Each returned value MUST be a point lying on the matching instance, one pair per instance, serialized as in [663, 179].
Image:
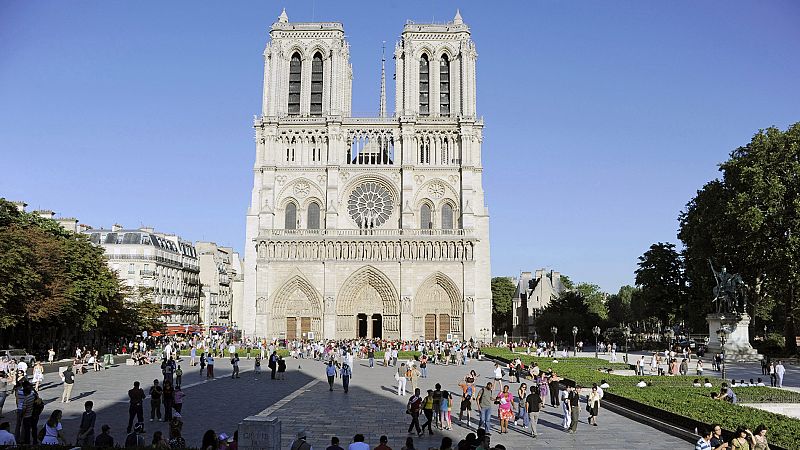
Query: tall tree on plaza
[754, 222]
[55, 286]
[619, 305]
[595, 299]
[569, 309]
[660, 280]
[502, 291]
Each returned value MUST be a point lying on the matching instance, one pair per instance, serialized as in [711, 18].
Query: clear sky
[602, 118]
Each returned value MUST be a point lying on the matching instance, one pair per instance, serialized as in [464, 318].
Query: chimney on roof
[20, 206]
[45, 213]
[116, 227]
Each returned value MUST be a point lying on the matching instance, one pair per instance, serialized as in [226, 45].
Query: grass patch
[676, 395]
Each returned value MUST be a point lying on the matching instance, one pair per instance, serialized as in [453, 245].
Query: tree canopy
[55, 286]
[502, 291]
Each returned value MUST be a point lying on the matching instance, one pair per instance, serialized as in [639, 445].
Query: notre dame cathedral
[368, 226]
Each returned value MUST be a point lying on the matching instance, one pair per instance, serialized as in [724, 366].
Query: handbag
[589, 408]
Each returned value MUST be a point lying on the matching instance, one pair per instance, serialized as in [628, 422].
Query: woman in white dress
[52, 430]
[38, 375]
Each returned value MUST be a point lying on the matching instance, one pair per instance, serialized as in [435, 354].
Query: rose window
[370, 205]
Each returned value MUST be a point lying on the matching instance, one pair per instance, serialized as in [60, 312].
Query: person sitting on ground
[447, 444]
[714, 396]
[6, 438]
[751, 383]
[727, 394]
[641, 383]
[604, 384]
[760, 382]
[696, 382]
[707, 383]
[383, 444]
[358, 443]
[335, 444]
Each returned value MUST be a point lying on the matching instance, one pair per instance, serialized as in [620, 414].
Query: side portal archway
[438, 308]
[367, 306]
[296, 310]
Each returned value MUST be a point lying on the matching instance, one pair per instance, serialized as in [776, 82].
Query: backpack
[408, 373]
[38, 406]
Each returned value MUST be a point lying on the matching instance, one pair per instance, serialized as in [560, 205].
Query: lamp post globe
[596, 332]
[574, 341]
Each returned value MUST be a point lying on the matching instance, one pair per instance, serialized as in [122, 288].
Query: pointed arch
[424, 85]
[295, 79]
[439, 304]
[367, 290]
[296, 303]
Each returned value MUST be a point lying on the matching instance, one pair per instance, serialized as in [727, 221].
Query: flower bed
[677, 396]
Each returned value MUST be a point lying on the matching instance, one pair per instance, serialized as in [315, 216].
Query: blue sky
[602, 118]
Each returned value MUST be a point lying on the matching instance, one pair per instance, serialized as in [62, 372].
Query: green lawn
[676, 395]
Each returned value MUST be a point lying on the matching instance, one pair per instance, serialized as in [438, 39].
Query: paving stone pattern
[371, 407]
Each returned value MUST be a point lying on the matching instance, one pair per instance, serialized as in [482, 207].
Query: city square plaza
[303, 401]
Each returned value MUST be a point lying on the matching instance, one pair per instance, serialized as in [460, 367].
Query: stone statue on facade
[729, 293]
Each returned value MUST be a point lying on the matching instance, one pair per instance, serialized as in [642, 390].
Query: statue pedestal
[737, 343]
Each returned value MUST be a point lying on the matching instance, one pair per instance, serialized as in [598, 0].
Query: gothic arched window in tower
[425, 221]
[290, 217]
[424, 86]
[447, 217]
[313, 216]
[444, 86]
[295, 78]
[316, 85]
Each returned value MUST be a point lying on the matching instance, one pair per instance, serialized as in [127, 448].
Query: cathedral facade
[368, 227]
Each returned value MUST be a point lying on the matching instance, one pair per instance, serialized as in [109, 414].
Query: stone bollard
[260, 433]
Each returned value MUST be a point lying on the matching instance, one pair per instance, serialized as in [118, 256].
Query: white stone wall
[379, 260]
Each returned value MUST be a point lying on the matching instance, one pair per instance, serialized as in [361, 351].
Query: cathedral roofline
[308, 26]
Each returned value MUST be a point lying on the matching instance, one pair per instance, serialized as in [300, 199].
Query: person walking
[773, 378]
[466, 401]
[427, 409]
[563, 394]
[780, 371]
[178, 376]
[330, 372]
[155, 401]
[69, 381]
[505, 408]
[86, 427]
[415, 374]
[38, 375]
[413, 408]
[402, 380]
[235, 364]
[522, 410]
[29, 418]
[593, 405]
[136, 398]
[210, 366]
[371, 356]
[169, 400]
[553, 385]
[533, 404]
[485, 402]
[177, 402]
[202, 363]
[346, 373]
[574, 400]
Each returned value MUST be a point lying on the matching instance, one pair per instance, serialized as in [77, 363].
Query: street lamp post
[554, 330]
[596, 332]
[627, 332]
[723, 336]
[484, 333]
[574, 341]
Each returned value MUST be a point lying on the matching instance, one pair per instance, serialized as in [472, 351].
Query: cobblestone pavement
[304, 401]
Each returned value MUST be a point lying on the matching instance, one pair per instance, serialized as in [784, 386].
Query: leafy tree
[748, 221]
[502, 291]
[660, 280]
[566, 311]
[595, 299]
[619, 305]
[567, 283]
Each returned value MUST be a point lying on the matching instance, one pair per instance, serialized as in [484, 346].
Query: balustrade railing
[371, 232]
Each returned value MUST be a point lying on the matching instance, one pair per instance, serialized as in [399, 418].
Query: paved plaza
[304, 401]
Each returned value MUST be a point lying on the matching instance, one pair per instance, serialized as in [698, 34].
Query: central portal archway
[367, 299]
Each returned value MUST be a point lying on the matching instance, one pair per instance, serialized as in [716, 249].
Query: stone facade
[534, 292]
[220, 270]
[160, 266]
[375, 226]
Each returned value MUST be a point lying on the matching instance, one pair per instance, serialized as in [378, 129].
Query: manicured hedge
[676, 395]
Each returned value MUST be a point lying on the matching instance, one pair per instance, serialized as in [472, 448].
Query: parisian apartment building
[221, 278]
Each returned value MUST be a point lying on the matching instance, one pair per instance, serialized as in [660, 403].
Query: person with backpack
[86, 427]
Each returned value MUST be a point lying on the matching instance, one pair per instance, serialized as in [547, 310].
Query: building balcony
[147, 273]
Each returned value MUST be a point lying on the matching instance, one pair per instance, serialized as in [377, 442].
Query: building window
[444, 86]
[130, 268]
[290, 220]
[425, 217]
[295, 67]
[316, 85]
[313, 216]
[424, 89]
[447, 217]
